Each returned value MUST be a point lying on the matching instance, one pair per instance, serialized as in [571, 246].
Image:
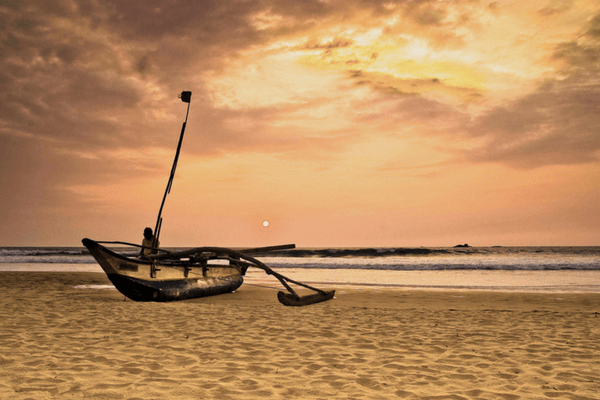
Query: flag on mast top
[186, 97]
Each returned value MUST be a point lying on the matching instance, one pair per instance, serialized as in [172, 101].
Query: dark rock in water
[462, 245]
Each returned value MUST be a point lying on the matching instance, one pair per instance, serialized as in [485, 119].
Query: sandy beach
[60, 341]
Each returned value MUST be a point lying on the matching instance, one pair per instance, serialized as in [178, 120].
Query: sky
[343, 123]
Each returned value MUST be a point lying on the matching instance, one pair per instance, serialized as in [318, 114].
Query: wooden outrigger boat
[198, 272]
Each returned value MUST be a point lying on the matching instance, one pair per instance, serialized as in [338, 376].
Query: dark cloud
[390, 84]
[578, 56]
[54, 79]
[431, 16]
[594, 29]
[335, 43]
[303, 8]
[410, 115]
[551, 10]
[67, 106]
[75, 71]
[69, 67]
[435, 21]
[557, 124]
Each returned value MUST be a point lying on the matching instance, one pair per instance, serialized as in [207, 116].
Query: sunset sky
[342, 123]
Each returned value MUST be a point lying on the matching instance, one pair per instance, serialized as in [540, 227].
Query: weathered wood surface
[169, 277]
[291, 300]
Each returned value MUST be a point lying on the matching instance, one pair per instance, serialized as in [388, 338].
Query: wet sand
[61, 342]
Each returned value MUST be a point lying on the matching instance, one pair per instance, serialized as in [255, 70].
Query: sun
[265, 224]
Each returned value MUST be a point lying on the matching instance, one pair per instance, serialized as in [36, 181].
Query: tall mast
[186, 98]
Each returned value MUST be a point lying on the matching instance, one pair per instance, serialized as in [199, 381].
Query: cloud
[60, 77]
[559, 123]
[544, 128]
[75, 72]
[88, 89]
[335, 43]
[388, 83]
[556, 7]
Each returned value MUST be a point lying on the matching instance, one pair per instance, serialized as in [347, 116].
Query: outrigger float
[199, 272]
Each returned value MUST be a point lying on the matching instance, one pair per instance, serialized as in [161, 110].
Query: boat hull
[142, 280]
[173, 290]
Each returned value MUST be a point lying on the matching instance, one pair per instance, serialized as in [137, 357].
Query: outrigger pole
[186, 97]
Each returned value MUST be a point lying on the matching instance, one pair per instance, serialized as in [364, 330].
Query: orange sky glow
[341, 123]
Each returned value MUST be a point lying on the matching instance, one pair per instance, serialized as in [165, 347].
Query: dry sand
[61, 342]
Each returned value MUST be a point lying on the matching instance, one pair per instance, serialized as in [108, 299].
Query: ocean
[526, 269]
